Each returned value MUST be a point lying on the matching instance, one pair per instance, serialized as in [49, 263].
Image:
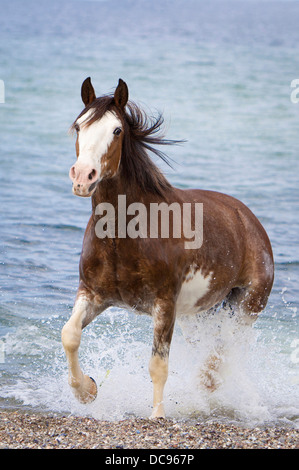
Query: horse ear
[121, 94]
[87, 92]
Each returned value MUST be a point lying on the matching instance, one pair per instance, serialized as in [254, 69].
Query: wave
[287, 263]
[52, 226]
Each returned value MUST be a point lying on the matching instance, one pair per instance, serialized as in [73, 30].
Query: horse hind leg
[240, 309]
[209, 376]
[83, 386]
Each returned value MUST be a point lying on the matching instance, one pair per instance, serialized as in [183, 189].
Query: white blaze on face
[94, 140]
[193, 289]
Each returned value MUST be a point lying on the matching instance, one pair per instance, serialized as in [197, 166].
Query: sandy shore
[22, 430]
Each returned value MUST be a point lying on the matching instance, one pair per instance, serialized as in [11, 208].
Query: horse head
[100, 133]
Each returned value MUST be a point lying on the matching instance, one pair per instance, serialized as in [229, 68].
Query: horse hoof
[157, 413]
[88, 392]
[94, 389]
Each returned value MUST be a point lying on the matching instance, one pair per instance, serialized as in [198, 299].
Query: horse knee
[70, 337]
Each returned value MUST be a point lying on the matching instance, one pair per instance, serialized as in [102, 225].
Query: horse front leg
[158, 366]
[83, 386]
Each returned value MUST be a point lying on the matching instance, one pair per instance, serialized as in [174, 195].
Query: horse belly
[194, 294]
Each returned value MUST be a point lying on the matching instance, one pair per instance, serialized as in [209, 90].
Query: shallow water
[221, 73]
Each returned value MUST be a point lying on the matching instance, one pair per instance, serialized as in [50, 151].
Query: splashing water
[223, 353]
[248, 380]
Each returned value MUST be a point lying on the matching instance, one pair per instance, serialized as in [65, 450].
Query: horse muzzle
[84, 191]
[84, 180]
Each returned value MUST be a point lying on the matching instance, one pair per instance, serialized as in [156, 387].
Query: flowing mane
[142, 134]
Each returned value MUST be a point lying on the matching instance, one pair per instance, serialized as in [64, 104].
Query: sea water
[221, 73]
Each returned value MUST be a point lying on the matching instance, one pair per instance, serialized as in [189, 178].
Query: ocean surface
[221, 73]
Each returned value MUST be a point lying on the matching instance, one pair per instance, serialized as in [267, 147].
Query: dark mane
[141, 135]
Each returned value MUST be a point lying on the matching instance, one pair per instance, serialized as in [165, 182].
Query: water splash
[252, 374]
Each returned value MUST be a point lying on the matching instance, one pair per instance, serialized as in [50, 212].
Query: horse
[160, 276]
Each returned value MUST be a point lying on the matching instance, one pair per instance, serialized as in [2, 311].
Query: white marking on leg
[163, 317]
[158, 368]
[83, 386]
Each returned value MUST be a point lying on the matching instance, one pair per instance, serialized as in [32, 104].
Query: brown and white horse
[155, 275]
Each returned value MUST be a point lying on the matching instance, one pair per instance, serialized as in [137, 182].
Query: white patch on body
[194, 288]
[94, 140]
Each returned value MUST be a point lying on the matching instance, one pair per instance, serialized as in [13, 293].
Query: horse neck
[108, 190]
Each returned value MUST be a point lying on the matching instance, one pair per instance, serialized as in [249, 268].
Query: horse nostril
[73, 173]
[92, 174]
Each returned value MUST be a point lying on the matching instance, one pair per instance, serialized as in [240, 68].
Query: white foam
[257, 380]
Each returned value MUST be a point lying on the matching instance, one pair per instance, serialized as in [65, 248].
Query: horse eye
[117, 131]
[77, 127]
